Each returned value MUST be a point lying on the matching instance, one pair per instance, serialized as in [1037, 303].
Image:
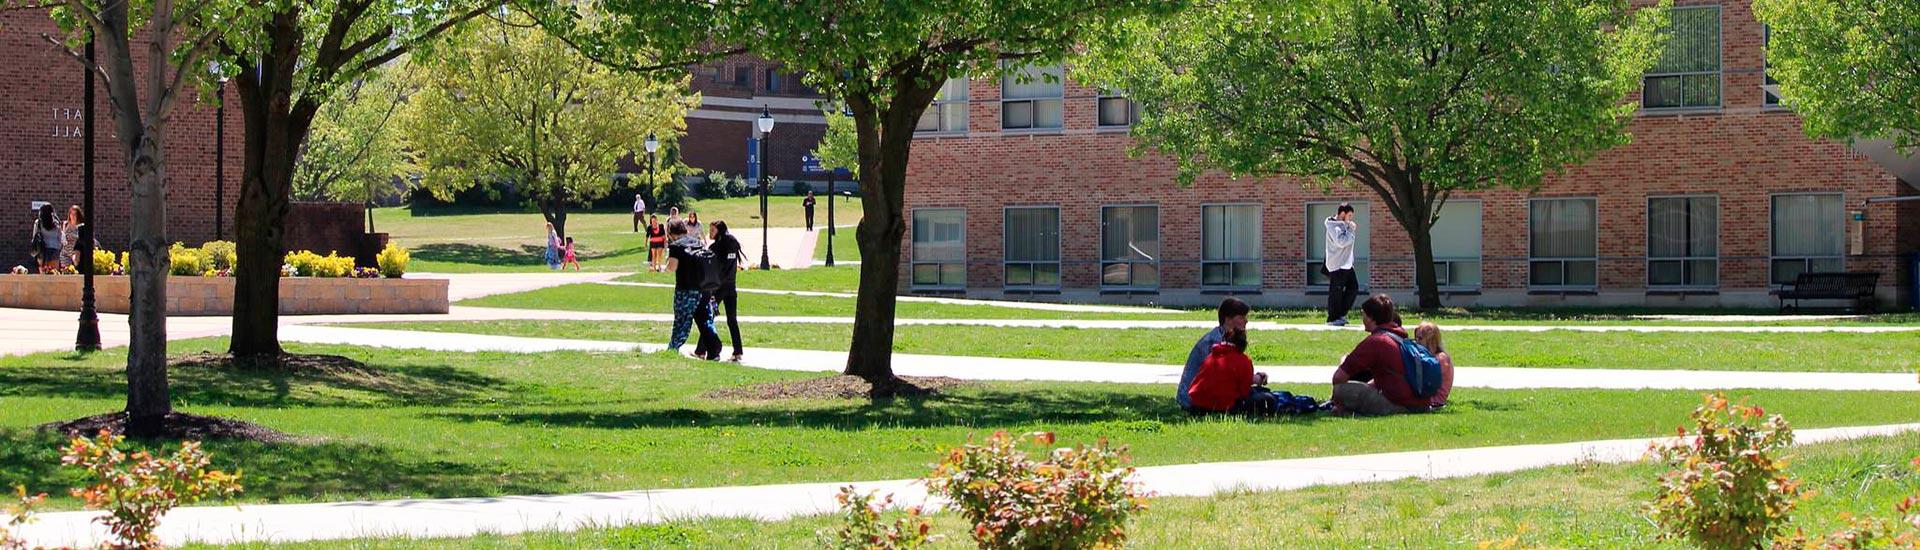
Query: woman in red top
[656, 244]
[1226, 377]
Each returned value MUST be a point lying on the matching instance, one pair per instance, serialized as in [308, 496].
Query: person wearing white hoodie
[1342, 286]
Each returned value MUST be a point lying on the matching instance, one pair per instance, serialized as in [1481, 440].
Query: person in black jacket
[808, 203]
[726, 251]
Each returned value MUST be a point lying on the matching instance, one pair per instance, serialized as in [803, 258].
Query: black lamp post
[220, 161]
[766, 182]
[831, 172]
[88, 338]
[652, 144]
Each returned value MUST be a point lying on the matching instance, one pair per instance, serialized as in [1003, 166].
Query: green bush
[220, 255]
[713, 187]
[393, 261]
[1726, 489]
[1077, 497]
[801, 188]
[737, 187]
[861, 529]
[307, 264]
[105, 263]
[138, 488]
[186, 261]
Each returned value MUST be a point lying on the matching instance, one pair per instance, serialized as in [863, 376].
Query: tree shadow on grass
[289, 471]
[467, 253]
[379, 385]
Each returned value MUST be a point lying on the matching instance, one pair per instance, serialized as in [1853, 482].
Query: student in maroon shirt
[1372, 380]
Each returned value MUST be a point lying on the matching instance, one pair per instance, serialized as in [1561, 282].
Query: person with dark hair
[1233, 319]
[808, 204]
[1372, 380]
[70, 238]
[656, 244]
[688, 262]
[1226, 381]
[46, 240]
[726, 250]
[1342, 285]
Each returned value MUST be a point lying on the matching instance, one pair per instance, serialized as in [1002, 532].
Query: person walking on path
[656, 244]
[687, 260]
[639, 211]
[726, 250]
[1372, 380]
[46, 240]
[1342, 286]
[808, 204]
[673, 217]
[567, 256]
[553, 248]
[695, 230]
[1233, 318]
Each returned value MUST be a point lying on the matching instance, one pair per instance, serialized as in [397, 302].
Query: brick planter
[214, 295]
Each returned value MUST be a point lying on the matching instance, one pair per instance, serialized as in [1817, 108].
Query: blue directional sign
[753, 161]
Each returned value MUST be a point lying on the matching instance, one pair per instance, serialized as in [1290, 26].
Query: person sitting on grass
[1377, 360]
[1428, 334]
[1233, 318]
[1226, 382]
[568, 257]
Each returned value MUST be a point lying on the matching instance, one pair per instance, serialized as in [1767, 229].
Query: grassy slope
[1581, 506]
[452, 424]
[1817, 352]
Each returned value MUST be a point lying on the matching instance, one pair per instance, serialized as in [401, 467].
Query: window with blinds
[1687, 76]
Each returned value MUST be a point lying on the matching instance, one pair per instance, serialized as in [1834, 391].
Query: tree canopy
[1849, 68]
[354, 149]
[840, 146]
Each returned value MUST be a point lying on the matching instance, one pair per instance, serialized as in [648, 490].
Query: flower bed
[197, 295]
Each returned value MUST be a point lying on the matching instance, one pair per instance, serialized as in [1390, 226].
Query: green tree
[354, 150]
[885, 60]
[840, 146]
[520, 105]
[1849, 68]
[1411, 99]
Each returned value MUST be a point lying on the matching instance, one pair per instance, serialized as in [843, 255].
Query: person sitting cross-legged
[1226, 382]
[1376, 360]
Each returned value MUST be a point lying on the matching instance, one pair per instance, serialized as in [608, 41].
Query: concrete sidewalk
[462, 517]
[1040, 306]
[991, 368]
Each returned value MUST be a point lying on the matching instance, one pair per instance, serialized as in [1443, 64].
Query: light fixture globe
[652, 143]
[766, 120]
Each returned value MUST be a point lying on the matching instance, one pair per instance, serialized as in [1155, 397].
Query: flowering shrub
[186, 261]
[219, 255]
[393, 261]
[366, 273]
[17, 515]
[105, 263]
[1726, 489]
[306, 263]
[1076, 498]
[860, 527]
[138, 489]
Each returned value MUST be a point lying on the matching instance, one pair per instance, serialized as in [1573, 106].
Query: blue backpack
[1421, 368]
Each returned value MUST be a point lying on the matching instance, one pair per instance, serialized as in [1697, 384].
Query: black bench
[1856, 286]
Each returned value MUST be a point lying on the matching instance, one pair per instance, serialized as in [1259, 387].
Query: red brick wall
[721, 145]
[40, 148]
[1742, 153]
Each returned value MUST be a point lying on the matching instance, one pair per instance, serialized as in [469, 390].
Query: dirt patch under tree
[835, 387]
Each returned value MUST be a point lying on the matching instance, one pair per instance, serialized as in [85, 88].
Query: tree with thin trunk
[353, 151]
[1413, 100]
[519, 105]
[885, 60]
[1849, 68]
[287, 61]
[171, 39]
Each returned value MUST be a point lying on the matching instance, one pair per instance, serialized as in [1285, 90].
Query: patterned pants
[686, 312]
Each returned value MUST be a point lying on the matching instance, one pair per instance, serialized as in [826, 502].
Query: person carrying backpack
[692, 304]
[1386, 373]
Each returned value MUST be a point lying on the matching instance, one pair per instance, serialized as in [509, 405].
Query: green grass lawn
[630, 299]
[844, 278]
[1577, 506]
[461, 241]
[430, 424]
[1816, 352]
[846, 247]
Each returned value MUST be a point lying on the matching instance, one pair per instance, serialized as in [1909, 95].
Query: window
[939, 248]
[948, 113]
[1456, 245]
[743, 77]
[1562, 243]
[1688, 72]
[1766, 41]
[1033, 248]
[1130, 247]
[1683, 240]
[773, 80]
[1117, 110]
[1809, 234]
[1317, 214]
[1030, 97]
[1230, 246]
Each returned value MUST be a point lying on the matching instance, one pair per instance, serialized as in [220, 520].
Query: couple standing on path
[1387, 373]
[703, 277]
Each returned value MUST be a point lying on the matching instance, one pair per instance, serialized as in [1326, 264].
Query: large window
[1030, 98]
[1230, 247]
[773, 80]
[1116, 110]
[1688, 72]
[1456, 245]
[1809, 235]
[939, 248]
[1562, 237]
[1130, 247]
[1033, 248]
[948, 113]
[1766, 67]
[1317, 214]
[743, 77]
[1683, 242]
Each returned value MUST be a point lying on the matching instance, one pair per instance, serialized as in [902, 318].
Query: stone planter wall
[214, 295]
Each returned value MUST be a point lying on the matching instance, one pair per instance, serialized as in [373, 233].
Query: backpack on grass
[1421, 368]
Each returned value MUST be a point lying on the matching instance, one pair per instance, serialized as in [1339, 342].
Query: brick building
[733, 92]
[1025, 189]
[41, 92]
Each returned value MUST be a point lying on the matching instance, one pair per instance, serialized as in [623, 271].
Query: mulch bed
[179, 426]
[290, 363]
[836, 387]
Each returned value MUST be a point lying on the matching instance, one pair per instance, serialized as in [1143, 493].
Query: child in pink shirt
[569, 257]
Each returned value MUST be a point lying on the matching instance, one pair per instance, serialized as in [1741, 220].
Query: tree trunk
[148, 401]
[885, 140]
[554, 209]
[275, 126]
[1424, 275]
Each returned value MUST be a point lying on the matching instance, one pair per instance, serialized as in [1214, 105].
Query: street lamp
[653, 144]
[88, 338]
[765, 125]
[831, 172]
[220, 157]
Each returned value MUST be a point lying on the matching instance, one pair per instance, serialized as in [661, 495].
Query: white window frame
[1059, 245]
[917, 262]
[1720, 73]
[1447, 262]
[1033, 103]
[1099, 109]
[1358, 260]
[1234, 264]
[1155, 262]
[1531, 259]
[1804, 259]
[942, 104]
[1684, 259]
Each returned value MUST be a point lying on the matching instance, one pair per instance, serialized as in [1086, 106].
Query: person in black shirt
[726, 250]
[808, 203]
[688, 261]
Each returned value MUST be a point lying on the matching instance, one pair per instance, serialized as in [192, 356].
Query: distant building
[733, 92]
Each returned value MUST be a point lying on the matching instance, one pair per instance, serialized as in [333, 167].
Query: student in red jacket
[1372, 380]
[1226, 378]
